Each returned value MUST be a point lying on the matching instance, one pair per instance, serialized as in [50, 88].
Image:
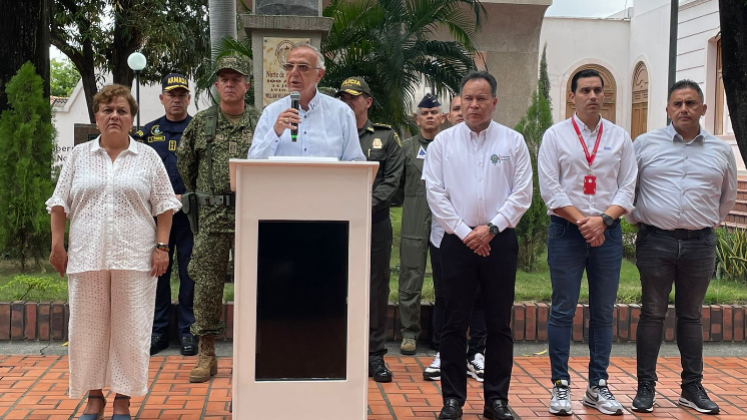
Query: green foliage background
[63, 77]
[26, 148]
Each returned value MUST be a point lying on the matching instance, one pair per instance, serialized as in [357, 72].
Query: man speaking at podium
[326, 127]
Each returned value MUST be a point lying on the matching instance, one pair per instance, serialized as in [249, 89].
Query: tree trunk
[126, 41]
[24, 36]
[734, 62]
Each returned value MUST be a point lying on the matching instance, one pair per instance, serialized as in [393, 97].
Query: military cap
[429, 101]
[236, 62]
[174, 81]
[354, 86]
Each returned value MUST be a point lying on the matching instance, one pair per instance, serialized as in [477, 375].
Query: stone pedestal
[509, 41]
[272, 37]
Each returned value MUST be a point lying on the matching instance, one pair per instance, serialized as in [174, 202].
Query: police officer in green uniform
[416, 222]
[380, 143]
[212, 138]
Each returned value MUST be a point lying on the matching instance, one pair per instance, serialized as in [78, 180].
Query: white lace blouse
[111, 206]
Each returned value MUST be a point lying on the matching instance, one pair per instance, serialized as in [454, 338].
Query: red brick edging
[44, 321]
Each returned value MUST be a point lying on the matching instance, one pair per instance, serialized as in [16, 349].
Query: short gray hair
[319, 56]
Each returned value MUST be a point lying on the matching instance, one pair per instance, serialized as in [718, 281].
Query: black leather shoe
[189, 346]
[158, 343]
[378, 371]
[498, 410]
[452, 410]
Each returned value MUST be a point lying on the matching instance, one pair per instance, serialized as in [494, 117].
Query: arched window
[610, 92]
[639, 123]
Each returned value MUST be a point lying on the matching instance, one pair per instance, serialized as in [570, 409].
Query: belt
[678, 233]
[227, 200]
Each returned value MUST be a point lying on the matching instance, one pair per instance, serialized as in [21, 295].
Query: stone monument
[274, 28]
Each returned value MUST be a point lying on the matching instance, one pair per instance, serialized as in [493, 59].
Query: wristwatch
[493, 229]
[608, 220]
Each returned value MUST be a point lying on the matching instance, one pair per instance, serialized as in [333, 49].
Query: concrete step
[740, 206]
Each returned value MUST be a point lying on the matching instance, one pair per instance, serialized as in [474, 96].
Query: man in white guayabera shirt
[478, 178]
[687, 184]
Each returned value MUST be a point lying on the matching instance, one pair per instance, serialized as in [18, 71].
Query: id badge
[590, 184]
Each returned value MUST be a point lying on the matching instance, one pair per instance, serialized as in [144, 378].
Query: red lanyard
[589, 158]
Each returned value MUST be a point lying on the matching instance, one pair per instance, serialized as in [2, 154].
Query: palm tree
[390, 43]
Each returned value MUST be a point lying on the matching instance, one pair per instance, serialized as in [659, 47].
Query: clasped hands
[592, 229]
[479, 240]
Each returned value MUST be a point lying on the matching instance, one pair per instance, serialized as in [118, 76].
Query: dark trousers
[180, 242]
[477, 331]
[381, 255]
[689, 265]
[463, 272]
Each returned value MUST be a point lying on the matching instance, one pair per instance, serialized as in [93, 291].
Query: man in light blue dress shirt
[326, 126]
[687, 184]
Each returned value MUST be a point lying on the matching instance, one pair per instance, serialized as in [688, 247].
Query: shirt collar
[133, 147]
[583, 126]
[316, 100]
[675, 136]
[478, 136]
[367, 127]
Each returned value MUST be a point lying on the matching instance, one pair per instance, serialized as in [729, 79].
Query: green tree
[544, 78]
[99, 35]
[63, 77]
[391, 43]
[26, 148]
[532, 229]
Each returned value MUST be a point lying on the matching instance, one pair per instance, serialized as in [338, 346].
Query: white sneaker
[433, 372]
[599, 397]
[476, 367]
[560, 404]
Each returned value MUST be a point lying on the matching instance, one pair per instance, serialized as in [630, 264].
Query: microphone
[295, 104]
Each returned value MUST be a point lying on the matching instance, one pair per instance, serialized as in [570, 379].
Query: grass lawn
[530, 287]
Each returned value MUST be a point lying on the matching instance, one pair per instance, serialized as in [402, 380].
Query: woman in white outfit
[111, 188]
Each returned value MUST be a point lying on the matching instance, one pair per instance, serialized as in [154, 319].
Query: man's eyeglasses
[302, 67]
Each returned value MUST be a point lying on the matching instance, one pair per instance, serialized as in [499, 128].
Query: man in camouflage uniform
[234, 122]
[380, 143]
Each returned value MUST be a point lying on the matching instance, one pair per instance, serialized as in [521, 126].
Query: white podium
[302, 258]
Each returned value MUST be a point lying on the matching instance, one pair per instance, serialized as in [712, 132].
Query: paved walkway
[35, 387]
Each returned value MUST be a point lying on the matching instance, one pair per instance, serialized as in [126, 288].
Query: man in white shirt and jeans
[587, 174]
[478, 178]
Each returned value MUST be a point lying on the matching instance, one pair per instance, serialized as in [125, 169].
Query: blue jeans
[568, 255]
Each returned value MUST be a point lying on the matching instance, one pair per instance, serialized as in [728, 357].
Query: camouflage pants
[208, 270]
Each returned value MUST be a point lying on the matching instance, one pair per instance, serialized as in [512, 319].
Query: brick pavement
[35, 387]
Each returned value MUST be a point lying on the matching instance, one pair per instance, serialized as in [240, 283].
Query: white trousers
[111, 319]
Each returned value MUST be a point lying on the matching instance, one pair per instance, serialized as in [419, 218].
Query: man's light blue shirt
[683, 185]
[328, 129]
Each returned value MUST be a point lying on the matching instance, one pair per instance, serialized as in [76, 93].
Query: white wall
[75, 111]
[573, 42]
[649, 42]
